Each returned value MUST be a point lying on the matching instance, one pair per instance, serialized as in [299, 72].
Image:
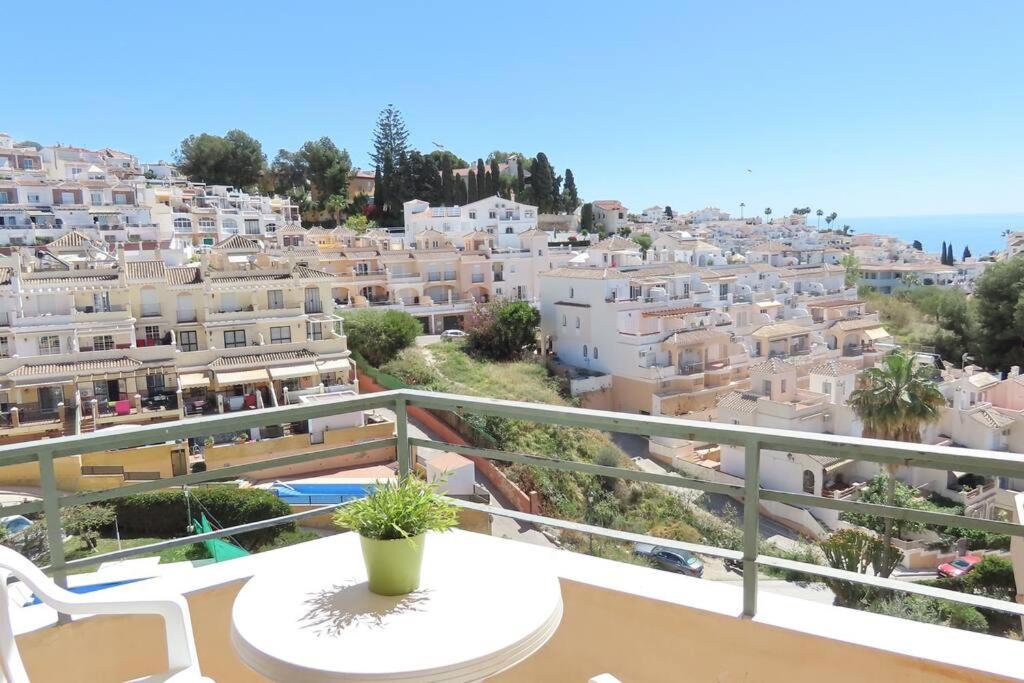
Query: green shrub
[85, 521]
[411, 368]
[166, 513]
[964, 617]
[503, 330]
[379, 335]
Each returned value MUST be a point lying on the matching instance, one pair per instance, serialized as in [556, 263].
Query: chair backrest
[181, 651]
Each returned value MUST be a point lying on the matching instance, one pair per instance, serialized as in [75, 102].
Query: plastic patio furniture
[181, 649]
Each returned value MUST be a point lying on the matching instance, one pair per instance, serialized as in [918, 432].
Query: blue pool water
[320, 494]
[91, 588]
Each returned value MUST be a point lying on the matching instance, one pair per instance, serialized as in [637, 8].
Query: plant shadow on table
[335, 609]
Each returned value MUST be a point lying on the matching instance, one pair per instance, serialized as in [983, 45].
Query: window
[230, 224]
[808, 481]
[67, 197]
[508, 230]
[104, 342]
[96, 198]
[275, 298]
[33, 199]
[49, 343]
[152, 334]
[782, 386]
[252, 226]
[5, 197]
[207, 223]
[27, 163]
[281, 335]
[595, 353]
[120, 199]
[826, 388]
[188, 340]
[563, 321]
[183, 223]
[155, 384]
[472, 215]
[584, 350]
[314, 331]
[234, 339]
[572, 291]
[492, 214]
[577, 322]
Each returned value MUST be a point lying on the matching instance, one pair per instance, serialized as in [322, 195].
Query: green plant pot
[393, 567]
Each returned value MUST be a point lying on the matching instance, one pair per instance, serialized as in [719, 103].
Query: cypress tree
[570, 197]
[942, 258]
[542, 181]
[473, 191]
[481, 179]
[587, 218]
[949, 259]
[967, 253]
[485, 186]
[520, 181]
[495, 177]
[461, 194]
[447, 181]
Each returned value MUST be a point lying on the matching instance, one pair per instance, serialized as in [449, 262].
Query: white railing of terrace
[752, 439]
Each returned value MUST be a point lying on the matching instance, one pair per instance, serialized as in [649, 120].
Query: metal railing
[752, 439]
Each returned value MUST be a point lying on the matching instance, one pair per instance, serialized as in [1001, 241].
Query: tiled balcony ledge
[637, 623]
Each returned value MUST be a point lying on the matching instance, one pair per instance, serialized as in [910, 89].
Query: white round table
[472, 617]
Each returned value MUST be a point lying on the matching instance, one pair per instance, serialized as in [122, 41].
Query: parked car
[673, 560]
[448, 335]
[959, 566]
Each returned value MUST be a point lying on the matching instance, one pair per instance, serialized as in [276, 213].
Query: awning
[242, 377]
[292, 371]
[103, 210]
[191, 380]
[770, 304]
[40, 213]
[335, 365]
[876, 333]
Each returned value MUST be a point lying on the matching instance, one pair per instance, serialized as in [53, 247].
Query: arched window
[183, 222]
[229, 223]
[808, 481]
[207, 223]
[584, 350]
[595, 353]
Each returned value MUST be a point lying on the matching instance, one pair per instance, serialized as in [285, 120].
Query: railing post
[51, 513]
[402, 433]
[751, 486]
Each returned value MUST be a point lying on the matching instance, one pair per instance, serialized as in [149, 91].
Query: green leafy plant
[85, 521]
[398, 509]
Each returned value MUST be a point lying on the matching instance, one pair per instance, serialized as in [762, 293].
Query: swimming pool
[90, 588]
[301, 493]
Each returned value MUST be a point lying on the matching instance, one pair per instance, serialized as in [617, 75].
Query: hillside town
[134, 296]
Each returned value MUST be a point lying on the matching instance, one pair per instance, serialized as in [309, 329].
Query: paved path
[502, 527]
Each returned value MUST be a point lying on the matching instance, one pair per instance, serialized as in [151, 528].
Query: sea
[982, 232]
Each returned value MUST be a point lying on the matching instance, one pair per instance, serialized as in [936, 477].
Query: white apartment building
[503, 218]
[609, 215]
[206, 214]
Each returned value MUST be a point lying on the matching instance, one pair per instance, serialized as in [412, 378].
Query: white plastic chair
[181, 649]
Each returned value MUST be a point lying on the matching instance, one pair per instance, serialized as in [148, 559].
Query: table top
[471, 618]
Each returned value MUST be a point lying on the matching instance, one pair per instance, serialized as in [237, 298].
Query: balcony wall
[636, 623]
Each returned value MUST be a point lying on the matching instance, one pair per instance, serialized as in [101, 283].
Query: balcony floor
[636, 623]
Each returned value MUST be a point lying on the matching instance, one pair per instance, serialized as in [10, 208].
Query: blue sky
[866, 108]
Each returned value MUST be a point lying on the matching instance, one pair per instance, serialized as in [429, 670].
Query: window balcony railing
[753, 440]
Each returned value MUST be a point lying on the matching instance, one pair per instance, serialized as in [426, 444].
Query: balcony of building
[679, 628]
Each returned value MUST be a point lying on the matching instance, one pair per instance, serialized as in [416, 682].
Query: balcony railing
[753, 440]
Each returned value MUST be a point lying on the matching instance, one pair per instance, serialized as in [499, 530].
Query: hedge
[165, 513]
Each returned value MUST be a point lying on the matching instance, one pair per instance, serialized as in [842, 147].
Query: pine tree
[967, 253]
[390, 141]
[473, 189]
[495, 178]
[570, 197]
[918, 246]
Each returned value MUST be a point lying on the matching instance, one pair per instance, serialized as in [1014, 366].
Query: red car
[959, 566]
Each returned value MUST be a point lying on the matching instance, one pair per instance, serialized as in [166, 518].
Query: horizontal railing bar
[199, 538]
[223, 472]
[584, 467]
[27, 508]
[626, 536]
[892, 512]
[875, 450]
[891, 584]
[180, 430]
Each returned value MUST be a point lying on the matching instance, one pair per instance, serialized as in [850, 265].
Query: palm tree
[335, 206]
[819, 213]
[768, 213]
[894, 401]
[828, 222]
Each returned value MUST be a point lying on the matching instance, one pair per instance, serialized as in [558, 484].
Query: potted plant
[392, 522]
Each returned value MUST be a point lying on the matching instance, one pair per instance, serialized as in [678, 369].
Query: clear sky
[865, 108]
